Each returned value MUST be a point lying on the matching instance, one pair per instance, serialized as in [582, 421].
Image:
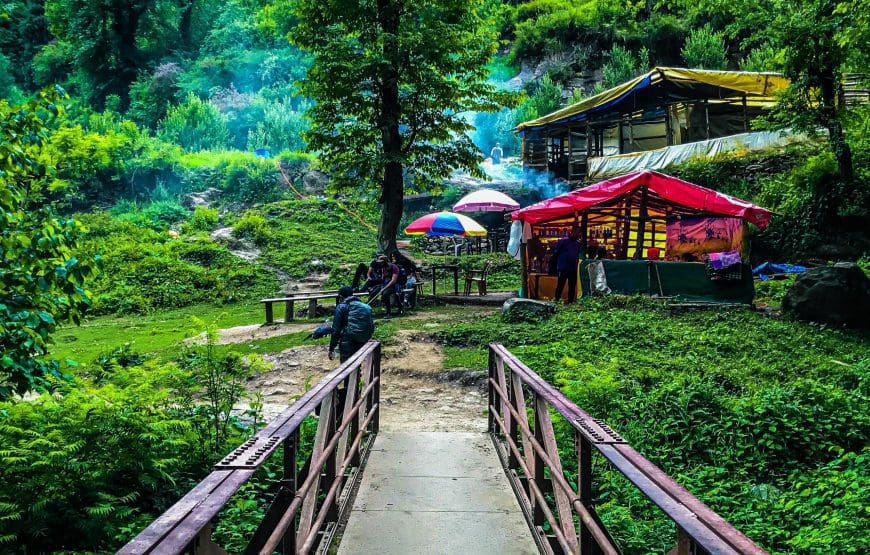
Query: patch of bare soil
[254, 332]
[416, 392]
[293, 372]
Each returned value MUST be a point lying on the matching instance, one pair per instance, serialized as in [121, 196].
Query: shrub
[252, 226]
[705, 49]
[194, 125]
[203, 219]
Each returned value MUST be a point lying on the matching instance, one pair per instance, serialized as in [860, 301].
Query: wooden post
[312, 308]
[620, 137]
[588, 141]
[570, 154]
[584, 486]
[641, 224]
[707, 117]
[288, 311]
[538, 467]
[669, 133]
[626, 226]
[745, 115]
[269, 317]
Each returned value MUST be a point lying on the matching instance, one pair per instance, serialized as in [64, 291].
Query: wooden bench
[290, 300]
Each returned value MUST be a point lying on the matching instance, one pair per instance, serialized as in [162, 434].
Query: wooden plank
[309, 505]
[349, 401]
[563, 504]
[520, 405]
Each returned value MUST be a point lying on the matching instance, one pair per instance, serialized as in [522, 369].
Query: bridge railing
[309, 502]
[523, 434]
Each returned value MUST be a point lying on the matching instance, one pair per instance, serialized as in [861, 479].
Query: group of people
[353, 322]
[389, 279]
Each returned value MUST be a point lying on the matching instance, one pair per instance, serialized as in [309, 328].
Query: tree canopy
[391, 81]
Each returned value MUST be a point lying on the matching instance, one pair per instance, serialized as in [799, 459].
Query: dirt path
[417, 393]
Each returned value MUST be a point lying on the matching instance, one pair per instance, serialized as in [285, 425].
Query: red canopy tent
[638, 218]
[662, 190]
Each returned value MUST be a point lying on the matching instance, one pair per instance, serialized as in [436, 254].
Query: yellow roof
[756, 86]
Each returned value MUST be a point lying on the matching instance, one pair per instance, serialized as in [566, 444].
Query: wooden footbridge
[369, 491]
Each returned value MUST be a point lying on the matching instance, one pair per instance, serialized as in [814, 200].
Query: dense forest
[304, 123]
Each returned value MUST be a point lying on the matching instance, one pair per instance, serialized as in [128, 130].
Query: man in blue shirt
[567, 255]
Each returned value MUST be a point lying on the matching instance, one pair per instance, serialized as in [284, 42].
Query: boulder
[524, 310]
[202, 198]
[315, 182]
[838, 295]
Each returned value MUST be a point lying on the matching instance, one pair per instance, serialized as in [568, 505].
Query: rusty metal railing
[309, 503]
[531, 458]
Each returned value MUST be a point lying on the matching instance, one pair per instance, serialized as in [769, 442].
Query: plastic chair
[476, 276]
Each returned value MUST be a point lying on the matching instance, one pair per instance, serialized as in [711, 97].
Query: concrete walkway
[427, 493]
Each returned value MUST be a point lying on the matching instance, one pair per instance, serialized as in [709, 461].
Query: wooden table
[447, 268]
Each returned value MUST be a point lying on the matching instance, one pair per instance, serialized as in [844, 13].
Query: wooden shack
[660, 109]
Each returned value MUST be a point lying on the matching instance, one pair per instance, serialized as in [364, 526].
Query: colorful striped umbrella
[486, 200]
[445, 224]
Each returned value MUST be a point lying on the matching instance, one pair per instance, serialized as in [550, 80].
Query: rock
[838, 295]
[202, 198]
[315, 182]
[523, 310]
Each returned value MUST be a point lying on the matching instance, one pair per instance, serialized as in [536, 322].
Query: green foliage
[100, 460]
[195, 125]
[705, 49]
[621, 67]
[311, 236]
[544, 26]
[546, 97]
[761, 58]
[763, 419]
[145, 269]
[214, 385]
[253, 226]
[43, 280]
[203, 219]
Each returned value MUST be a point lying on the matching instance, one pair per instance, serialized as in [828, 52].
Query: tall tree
[809, 32]
[391, 80]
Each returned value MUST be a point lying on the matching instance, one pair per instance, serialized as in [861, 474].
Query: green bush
[195, 125]
[203, 219]
[146, 269]
[705, 49]
[253, 226]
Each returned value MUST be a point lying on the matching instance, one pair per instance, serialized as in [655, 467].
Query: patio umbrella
[445, 224]
[486, 200]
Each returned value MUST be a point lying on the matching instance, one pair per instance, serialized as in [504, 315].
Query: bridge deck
[432, 493]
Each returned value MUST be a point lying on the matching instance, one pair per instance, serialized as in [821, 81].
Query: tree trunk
[185, 25]
[830, 87]
[392, 188]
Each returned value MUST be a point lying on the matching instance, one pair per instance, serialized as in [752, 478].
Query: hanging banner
[691, 238]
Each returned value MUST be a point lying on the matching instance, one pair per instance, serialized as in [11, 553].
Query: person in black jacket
[352, 325]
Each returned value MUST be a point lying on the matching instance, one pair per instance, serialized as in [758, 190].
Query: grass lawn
[153, 333]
